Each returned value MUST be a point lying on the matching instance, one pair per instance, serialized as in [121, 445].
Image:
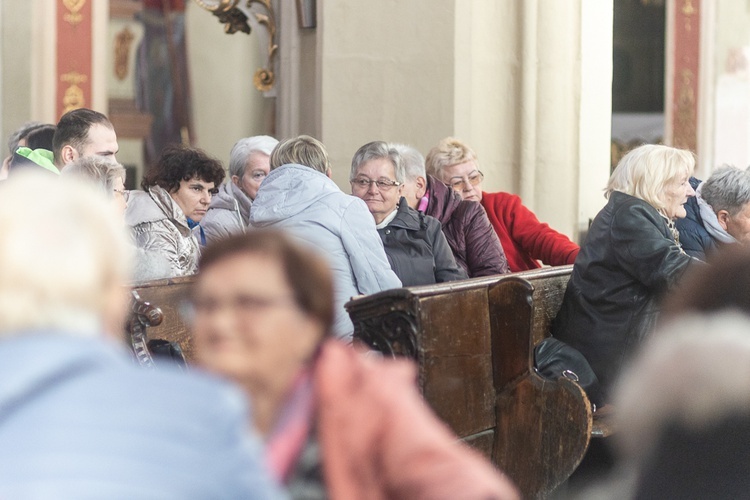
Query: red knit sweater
[525, 239]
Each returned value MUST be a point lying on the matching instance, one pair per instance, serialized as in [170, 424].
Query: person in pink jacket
[337, 424]
[525, 240]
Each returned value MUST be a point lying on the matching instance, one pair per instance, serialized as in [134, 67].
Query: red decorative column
[684, 84]
[73, 74]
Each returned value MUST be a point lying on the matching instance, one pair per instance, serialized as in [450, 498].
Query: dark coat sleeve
[446, 268]
[644, 249]
[484, 254]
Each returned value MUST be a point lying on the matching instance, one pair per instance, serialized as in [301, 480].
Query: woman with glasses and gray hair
[414, 243]
[719, 213]
[249, 164]
[525, 240]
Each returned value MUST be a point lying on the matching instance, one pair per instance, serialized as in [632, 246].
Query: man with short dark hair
[83, 132]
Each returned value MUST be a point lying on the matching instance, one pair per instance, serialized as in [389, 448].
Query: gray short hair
[728, 189]
[21, 133]
[243, 148]
[376, 150]
[62, 253]
[412, 160]
[302, 150]
[99, 171]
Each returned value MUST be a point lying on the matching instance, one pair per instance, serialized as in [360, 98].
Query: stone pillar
[527, 83]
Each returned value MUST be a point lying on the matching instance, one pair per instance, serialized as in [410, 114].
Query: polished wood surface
[170, 295]
[473, 342]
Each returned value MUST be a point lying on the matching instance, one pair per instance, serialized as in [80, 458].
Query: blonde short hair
[646, 171]
[301, 150]
[63, 249]
[448, 152]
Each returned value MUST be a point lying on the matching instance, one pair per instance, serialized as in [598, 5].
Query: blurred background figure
[299, 196]
[78, 418]
[415, 245]
[40, 138]
[176, 194]
[524, 239]
[103, 174]
[337, 424]
[249, 164]
[631, 257]
[683, 413]
[719, 213]
[472, 239]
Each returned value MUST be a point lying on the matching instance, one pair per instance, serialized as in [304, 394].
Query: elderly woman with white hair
[249, 164]
[719, 214]
[414, 242]
[630, 258]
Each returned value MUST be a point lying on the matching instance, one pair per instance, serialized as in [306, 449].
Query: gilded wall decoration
[73, 16]
[123, 43]
[235, 20]
[74, 97]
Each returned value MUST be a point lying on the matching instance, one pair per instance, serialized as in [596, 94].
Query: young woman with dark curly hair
[175, 197]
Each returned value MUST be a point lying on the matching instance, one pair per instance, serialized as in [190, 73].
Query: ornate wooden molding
[684, 82]
[234, 20]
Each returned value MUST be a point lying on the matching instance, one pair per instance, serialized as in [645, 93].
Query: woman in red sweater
[526, 241]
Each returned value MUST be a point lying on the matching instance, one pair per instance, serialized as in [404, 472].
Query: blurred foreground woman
[337, 425]
[78, 418]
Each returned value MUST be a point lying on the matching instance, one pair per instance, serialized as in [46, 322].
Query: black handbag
[554, 359]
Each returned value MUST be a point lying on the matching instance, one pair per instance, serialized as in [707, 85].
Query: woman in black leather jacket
[630, 258]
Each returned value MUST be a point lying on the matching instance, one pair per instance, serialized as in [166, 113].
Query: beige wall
[15, 75]
[226, 105]
[513, 79]
[387, 73]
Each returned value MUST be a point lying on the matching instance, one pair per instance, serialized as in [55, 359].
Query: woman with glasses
[249, 164]
[336, 424]
[525, 240]
[414, 243]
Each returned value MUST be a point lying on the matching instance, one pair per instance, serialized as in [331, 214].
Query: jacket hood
[443, 200]
[152, 206]
[288, 191]
[37, 158]
[228, 194]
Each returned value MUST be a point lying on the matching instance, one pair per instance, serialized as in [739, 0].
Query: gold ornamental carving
[73, 98]
[73, 16]
[123, 43]
[235, 20]
[686, 119]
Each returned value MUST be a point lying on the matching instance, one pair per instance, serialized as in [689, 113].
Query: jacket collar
[407, 217]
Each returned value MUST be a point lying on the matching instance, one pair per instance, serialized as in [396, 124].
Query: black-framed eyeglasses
[364, 183]
[459, 184]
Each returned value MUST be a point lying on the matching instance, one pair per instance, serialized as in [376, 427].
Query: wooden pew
[473, 343]
[156, 310]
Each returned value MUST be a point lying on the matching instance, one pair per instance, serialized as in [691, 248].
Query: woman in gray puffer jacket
[176, 194]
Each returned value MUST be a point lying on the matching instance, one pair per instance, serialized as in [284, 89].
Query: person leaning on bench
[630, 258]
